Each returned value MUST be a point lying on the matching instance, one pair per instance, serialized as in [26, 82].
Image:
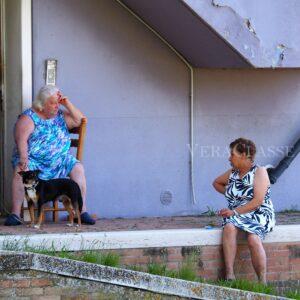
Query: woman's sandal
[85, 219]
[12, 220]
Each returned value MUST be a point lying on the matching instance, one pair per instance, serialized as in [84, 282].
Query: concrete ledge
[138, 239]
[123, 277]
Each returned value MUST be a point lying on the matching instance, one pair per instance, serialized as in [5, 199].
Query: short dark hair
[242, 145]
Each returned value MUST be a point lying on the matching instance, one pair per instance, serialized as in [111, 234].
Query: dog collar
[32, 188]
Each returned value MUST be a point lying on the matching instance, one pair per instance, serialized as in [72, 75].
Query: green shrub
[188, 270]
[156, 269]
[136, 268]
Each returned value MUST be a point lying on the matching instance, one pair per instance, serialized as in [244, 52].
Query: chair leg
[55, 211]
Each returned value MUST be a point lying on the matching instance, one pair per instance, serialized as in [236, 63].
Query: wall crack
[249, 26]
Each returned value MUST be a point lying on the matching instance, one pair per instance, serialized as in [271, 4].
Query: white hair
[44, 94]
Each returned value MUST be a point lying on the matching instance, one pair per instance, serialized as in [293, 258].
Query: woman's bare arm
[220, 182]
[72, 114]
[24, 127]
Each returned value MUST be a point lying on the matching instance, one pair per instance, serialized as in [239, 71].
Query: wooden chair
[77, 143]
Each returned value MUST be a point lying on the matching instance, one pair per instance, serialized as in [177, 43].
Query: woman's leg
[18, 193]
[258, 256]
[229, 248]
[77, 174]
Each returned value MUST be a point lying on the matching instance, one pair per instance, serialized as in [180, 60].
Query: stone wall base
[283, 260]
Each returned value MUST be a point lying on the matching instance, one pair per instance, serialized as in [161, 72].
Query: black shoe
[87, 219]
[12, 220]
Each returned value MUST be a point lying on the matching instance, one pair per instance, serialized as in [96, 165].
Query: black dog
[39, 192]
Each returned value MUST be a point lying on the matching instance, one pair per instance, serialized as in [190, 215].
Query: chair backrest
[79, 141]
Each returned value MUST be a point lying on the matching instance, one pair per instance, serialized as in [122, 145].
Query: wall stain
[162, 252]
[190, 250]
[294, 251]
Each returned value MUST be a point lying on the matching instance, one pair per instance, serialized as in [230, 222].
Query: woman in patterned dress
[42, 143]
[246, 187]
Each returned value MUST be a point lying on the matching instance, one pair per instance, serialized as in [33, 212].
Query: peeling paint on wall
[246, 21]
[249, 26]
[215, 4]
[249, 50]
[279, 56]
[258, 30]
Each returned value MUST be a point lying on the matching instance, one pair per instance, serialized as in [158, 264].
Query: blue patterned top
[48, 147]
[240, 191]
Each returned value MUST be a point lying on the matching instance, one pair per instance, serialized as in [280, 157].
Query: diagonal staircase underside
[210, 34]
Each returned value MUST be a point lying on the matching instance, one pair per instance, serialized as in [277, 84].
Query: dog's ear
[36, 172]
[21, 173]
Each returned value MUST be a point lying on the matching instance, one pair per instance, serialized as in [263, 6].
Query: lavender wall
[259, 104]
[134, 91]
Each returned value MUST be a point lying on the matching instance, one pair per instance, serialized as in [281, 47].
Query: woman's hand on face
[64, 101]
[226, 212]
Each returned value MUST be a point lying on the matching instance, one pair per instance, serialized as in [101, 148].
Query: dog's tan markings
[41, 217]
[31, 201]
[78, 216]
[68, 206]
[31, 212]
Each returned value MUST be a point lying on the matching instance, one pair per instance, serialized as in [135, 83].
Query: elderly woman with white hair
[43, 143]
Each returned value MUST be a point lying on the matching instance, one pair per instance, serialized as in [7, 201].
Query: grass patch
[210, 212]
[187, 273]
[95, 257]
[136, 268]
[293, 295]
[187, 270]
[22, 245]
[90, 256]
[156, 269]
[247, 285]
[161, 269]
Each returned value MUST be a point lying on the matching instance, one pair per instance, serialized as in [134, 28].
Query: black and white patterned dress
[239, 192]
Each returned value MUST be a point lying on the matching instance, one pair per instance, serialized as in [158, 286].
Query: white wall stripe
[26, 44]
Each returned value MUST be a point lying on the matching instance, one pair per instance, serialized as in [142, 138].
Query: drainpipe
[191, 146]
[275, 173]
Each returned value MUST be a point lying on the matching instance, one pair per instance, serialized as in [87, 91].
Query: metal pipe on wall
[275, 173]
[191, 146]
